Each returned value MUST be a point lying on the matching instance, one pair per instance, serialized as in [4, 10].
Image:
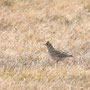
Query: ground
[25, 26]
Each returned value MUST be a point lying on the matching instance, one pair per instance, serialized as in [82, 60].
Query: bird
[55, 54]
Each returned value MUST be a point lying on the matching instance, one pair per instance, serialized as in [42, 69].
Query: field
[25, 26]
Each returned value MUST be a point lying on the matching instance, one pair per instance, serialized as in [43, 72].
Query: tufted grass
[25, 26]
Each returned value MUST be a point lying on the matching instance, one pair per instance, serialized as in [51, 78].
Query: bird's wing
[61, 54]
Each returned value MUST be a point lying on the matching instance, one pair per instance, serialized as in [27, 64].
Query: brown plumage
[56, 55]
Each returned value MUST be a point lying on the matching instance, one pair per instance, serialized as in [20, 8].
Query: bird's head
[47, 43]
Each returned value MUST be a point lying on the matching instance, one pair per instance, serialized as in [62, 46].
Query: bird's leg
[57, 61]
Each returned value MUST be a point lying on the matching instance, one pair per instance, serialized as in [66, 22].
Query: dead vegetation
[25, 25]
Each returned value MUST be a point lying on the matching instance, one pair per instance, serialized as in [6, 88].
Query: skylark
[56, 55]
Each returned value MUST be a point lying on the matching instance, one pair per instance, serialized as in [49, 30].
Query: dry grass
[25, 25]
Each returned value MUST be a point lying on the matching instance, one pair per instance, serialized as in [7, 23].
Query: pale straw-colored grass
[25, 26]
